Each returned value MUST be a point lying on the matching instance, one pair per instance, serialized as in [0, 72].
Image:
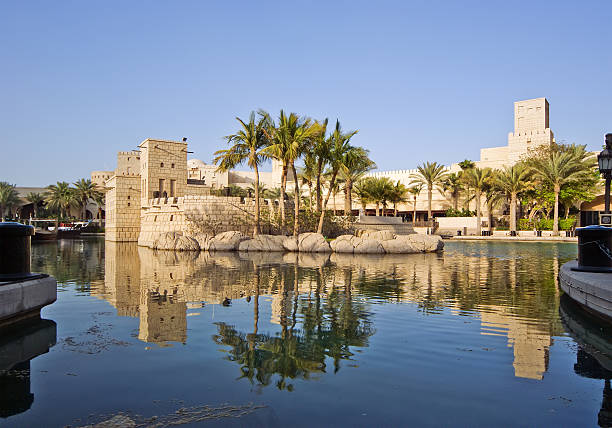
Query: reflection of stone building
[163, 317]
[529, 341]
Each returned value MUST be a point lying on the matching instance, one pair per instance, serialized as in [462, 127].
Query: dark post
[15, 251]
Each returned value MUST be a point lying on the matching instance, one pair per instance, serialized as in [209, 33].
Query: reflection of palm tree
[329, 328]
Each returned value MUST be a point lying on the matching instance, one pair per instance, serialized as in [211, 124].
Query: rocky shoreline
[368, 242]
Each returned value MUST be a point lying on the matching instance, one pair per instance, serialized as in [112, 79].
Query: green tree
[248, 145]
[430, 175]
[8, 197]
[361, 190]
[60, 198]
[355, 164]
[398, 195]
[36, 199]
[560, 167]
[478, 179]
[512, 181]
[340, 151]
[453, 185]
[415, 191]
[84, 190]
[379, 190]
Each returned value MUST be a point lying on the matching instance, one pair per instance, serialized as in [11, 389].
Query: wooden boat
[44, 235]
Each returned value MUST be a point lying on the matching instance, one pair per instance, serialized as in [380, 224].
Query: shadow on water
[17, 349]
[594, 356]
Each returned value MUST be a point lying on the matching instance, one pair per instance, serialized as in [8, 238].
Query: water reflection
[594, 356]
[323, 303]
[17, 349]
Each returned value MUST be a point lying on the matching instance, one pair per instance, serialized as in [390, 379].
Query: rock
[398, 246]
[423, 243]
[343, 244]
[369, 246]
[312, 243]
[263, 243]
[203, 240]
[166, 241]
[226, 241]
[186, 243]
[382, 235]
[290, 243]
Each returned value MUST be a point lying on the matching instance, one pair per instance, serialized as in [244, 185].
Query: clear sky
[421, 80]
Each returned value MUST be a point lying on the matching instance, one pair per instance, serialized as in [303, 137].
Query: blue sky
[420, 80]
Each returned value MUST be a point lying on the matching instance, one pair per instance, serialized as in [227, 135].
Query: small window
[155, 218]
[172, 166]
[128, 204]
[161, 165]
[171, 217]
[128, 159]
[128, 197]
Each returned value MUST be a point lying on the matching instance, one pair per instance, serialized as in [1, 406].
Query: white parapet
[23, 299]
[593, 290]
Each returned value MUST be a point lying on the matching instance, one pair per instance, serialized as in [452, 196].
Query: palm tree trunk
[318, 186]
[348, 188]
[478, 213]
[556, 215]
[455, 202]
[414, 212]
[331, 186]
[296, 202]
[282, 197]
[429, 197]
[394, 209]
[513, 212]
[377, 209]
[310, 193]
[256, 226]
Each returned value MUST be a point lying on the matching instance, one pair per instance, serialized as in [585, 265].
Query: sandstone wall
[123, 208]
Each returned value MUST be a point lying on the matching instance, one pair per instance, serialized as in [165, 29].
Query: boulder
[263, 243]
[423, 243]
[290, 243]
[186, 243]
[382, 235]
[166, 241]
[226, 241]
[369, 246]
[398, 246]
[343, 244]
[203, 240]
[312, 243]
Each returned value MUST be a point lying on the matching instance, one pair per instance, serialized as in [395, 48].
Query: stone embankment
[369, 242]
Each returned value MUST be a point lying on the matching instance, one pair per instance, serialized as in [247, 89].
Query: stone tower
[531, 128]
[163, 169]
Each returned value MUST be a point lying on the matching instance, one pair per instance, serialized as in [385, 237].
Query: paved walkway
[515, 238]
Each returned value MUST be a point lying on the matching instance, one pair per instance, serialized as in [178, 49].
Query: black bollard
[594, 249]
[15, 251]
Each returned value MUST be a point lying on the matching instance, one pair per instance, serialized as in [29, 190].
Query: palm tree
[320, 154]
[8, 197]
[478, 179]
[362, 192]
[379, 191]
[35, 199]
[355, 164]
[415, 191]
[247, 144]
[512, 181]
[453, 185]
[60, 197]
[398, 195]
[308, 175]
[430, 175]
[289, 141]
[340, 149]
[561, 168]
[84, 190]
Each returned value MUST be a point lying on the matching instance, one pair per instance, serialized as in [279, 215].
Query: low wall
[198, 214]
[450, 225]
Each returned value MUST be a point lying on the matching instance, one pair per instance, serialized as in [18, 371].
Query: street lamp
[604, 159]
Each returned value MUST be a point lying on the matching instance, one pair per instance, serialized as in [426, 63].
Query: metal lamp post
[604, 159]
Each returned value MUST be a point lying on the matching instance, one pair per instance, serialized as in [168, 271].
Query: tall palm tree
[247, 144]
[512, 181]
[8, 197]
[60, 197]
[453, 186]
[398, 195]
[561, 168]
[379, 191]
[355, 164]
[478, 179]
[430, 175]
[308, 176]
[84, 190]
[415, 191]
[35, 199]
[362, 192]
[320, 154]
[340, 149]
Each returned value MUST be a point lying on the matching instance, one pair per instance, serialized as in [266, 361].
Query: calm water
[476, 336]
